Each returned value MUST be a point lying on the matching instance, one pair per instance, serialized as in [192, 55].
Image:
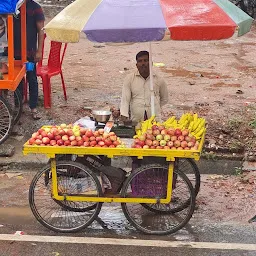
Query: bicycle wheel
[189, 167]
[15, 102]
[147, 181]
[6, 121]
[65, 216]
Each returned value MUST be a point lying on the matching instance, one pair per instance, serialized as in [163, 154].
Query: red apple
[170, 143]
[141, 143]
[98, 139]
[53, 142]
[85, 138]
[35, 134]
[116, 143]
[187, 139]
[89, 133]
[156, 132]
[83, 131]
[161, 127]
[71, 138]
[80, 143]
[173, 138]
[61, 132]
[184, 144]
[86, 143]
[181, 138]
[154, 127]
[38, 142]
[69, 132]
[146, 147]
[173, 148]
[150, 136]
[178, 132]
[67, 143]
[60, 142]
[93, 143]
[155, 143]
[171, 131]
[40, 130]
[92, 138]
[31, 141]
[78, 138]
[138, 146]
[186, 148]
[159, 147]
[185, 132]
[64, 137]
[96, 134]
[45, 140]
[73, 143]
[152, 147]
[108, 142]
[112, 146]
[43, 133]
[191, 144]
[179, 148]
[176, 143]
[101, 143]
[164, 132]
[166, 147]
[149, 142]
[142, 137]
[112, 134]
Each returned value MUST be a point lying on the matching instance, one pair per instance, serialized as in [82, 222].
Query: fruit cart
[67, 195]
[10, 98]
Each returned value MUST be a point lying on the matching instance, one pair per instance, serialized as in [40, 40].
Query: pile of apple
[161, 138]
[69, 135]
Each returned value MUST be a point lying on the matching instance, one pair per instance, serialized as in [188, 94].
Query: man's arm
[126, 98]
[164, 95]
[40, 38]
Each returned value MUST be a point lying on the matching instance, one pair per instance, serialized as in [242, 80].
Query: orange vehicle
[10, 98]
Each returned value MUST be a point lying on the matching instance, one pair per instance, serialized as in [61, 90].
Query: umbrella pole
[152, 94]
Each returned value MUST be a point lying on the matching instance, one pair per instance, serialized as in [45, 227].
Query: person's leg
[33, 92]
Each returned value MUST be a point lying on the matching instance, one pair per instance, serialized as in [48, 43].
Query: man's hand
[39, 55]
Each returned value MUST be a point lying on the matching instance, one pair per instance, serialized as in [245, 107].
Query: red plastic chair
[53, 68]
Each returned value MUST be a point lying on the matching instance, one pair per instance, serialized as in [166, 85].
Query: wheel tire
[162, 228]
[188, 167]
[6, 119]
[67, 171]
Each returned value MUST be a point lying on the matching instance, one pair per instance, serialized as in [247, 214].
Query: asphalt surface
[114, 226]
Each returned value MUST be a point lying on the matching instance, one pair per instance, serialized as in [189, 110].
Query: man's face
[143, 65]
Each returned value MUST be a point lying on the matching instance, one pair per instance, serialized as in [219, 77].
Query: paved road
[114, 238]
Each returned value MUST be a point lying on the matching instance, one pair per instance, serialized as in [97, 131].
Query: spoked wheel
[65, 216]
[150, 181]
[5, 120]
[15, 102]
[190, 169]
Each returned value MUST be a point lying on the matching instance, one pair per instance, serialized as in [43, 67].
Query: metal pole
[152, 93]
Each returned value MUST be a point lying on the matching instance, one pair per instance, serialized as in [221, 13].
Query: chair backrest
[55, 57]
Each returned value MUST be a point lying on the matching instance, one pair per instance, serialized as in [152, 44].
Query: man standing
[136, 94]
[35, 37]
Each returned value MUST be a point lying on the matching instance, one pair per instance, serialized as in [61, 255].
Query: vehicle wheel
[6, 120]
[189, 167]
[65, 216]
[15, 102]
[150, 181]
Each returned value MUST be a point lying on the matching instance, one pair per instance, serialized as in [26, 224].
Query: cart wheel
[14, 100]
[189, 167]
[6, 121]
[65, 216]
[148, 181]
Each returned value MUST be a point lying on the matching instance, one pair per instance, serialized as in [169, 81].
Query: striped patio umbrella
[130, 21]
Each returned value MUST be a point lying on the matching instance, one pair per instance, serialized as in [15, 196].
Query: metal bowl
[101, 116]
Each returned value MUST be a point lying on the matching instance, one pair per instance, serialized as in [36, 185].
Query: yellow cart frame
[170, 155]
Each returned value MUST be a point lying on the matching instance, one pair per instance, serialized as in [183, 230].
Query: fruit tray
[170, 155]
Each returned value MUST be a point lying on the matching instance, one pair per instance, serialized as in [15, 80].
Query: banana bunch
[185, 120]
[197, 126]
[171, 122]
